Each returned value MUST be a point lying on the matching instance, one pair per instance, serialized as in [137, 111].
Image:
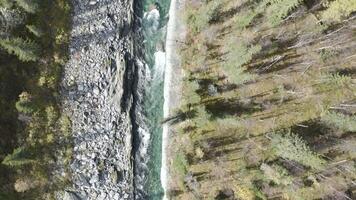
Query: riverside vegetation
[268, 109]
[35, 135]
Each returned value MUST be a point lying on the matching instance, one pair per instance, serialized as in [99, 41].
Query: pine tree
[340, 121]
[25, 104]
[35, 30]
[17, 158]
[239, 54]
[30, 6]
[339, 9]
[26, 50]
[280, 9]
[292, 147]
[6, 3]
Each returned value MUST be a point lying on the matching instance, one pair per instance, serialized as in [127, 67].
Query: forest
[268, 109]
[34, 134]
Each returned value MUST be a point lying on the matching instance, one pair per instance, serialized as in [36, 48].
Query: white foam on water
[160, 63]
[152, 20]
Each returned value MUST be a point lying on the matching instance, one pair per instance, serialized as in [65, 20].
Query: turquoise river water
[155, 20]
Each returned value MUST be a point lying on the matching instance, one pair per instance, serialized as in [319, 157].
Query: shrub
[242, 21]
[340, 121]
[61, 36]
[337, 79]
[19, 157]
[35, 30]
[239, 54]
[65, 125]
[26, 50]
[24, 104]
[326, 55]
[198, 19]
[190, 95]
[30, 6]
[280, 9]
[52, 115]
[180, 164]
[338, 9]
[292, 147]
[276, 174]
[6, 3]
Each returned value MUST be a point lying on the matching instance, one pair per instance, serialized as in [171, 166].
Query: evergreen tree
[239, 54]
[25, 104]
[280, 9]
[339, 9]
[340, 121]
[26, 50]
[35, 30]
[18, 158]
[291, 147]
[6, 3]
[30, 6]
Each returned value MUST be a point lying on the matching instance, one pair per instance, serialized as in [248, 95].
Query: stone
[96, 91]
[92, 105]
[80, 87]
[70, 196]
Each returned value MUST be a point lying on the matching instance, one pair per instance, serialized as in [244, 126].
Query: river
[154, 26]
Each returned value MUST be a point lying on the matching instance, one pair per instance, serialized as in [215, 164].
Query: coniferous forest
[268, 101]
[33, 133]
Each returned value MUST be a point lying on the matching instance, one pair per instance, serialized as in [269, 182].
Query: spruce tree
[35, 30]
[6, 3]
[344, 123]
[17, 158]
[339, 9]
[30, 6]
[25, 104]
[292, 147]
[26, 50]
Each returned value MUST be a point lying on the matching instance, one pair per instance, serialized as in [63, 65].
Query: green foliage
[340, 121]
[35, 30]
[242, 21]
[280, 9]
[326, 54]
[292, 147]
[18, 158]
[25, 50]
[6, 3]
[276, 174]
[198, 19]
[180, 164]
[239, 54]
[39, 139]
[25, 104]
[65, 125]
[190, 95]
[337, 79]
[30, 6]
[338, 9]
[52, 115]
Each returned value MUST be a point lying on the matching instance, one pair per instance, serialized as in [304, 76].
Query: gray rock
[96, 101]
[70, 196]
[96, 91]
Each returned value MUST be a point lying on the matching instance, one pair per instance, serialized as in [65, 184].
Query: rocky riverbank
[103, 89]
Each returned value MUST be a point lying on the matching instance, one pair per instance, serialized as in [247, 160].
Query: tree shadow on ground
[219, 108]
[180, 116]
